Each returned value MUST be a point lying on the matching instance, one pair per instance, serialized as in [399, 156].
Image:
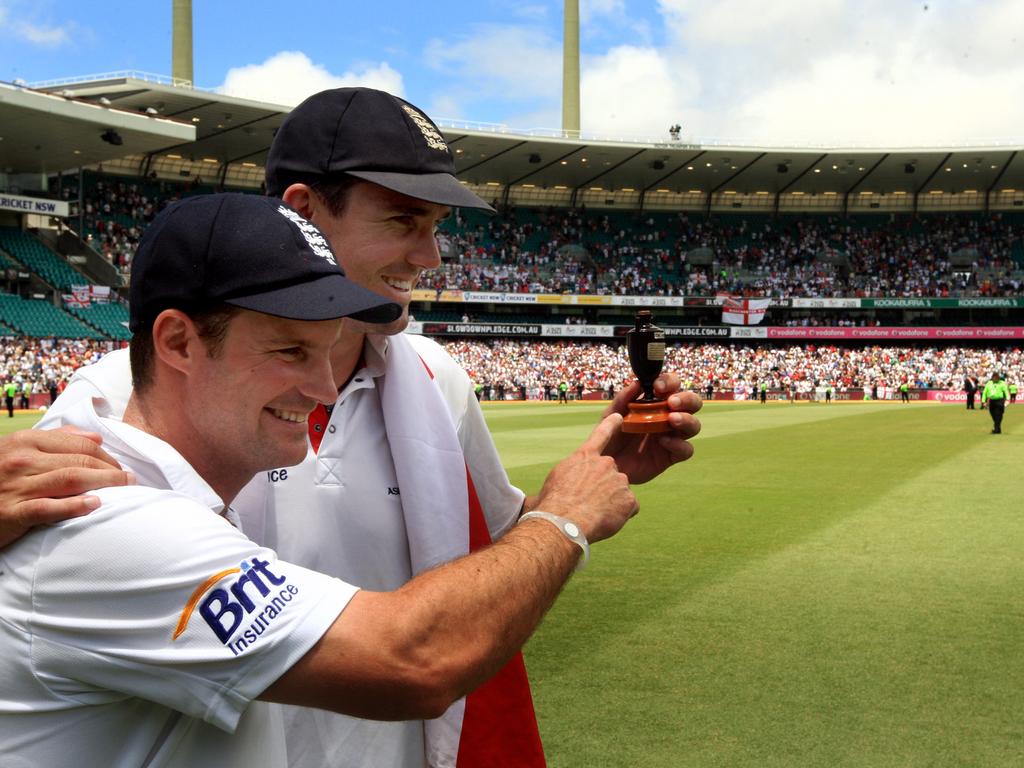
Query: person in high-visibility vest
[10, 390]
[1012, 386]
[905, 392]
[995, 394]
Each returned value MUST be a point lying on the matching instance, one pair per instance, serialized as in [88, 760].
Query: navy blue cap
[371, 135]
[249, 251]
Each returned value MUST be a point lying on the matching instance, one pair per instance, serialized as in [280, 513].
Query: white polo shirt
[141, 634]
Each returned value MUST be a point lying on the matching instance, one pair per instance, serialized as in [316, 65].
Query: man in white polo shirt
[142, 633]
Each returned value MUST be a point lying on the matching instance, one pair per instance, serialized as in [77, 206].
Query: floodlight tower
[571, 70]
[181, 42]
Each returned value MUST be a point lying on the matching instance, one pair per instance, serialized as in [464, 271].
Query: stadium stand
[734, 368]
[525, 250]
[40, 319]
[111, 319]
[40, 259]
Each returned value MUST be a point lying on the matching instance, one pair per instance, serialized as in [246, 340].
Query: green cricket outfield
[820, 585]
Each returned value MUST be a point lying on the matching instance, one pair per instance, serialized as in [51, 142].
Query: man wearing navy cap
[402, 473]
[142, 634]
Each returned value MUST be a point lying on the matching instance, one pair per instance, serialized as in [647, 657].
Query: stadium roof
[46, 133]
[57, 126]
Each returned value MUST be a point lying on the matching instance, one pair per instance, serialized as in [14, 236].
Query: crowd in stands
[531, 369]
[46, 365]
[116, 213]
[593, 252]
[686, 255]
[514, 368]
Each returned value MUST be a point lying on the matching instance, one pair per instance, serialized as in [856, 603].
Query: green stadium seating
[40, 259]
[31, 317]
[110, 318]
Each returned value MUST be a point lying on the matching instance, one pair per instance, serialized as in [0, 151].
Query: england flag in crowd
[738, 311]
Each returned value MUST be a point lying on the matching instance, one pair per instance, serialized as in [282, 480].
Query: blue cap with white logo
[249, 251]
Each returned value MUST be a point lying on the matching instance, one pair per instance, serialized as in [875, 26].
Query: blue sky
[835, 72]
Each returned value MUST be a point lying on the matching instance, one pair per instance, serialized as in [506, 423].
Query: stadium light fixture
[195, 119]
[534, 158]
[560, 186]
[689, 167]
[112, 137]
[782, 168]
[627, 189]
[249, 165]
[104, 101]
[173, 157]
[817, 170]
[150, 111]
[909, 168]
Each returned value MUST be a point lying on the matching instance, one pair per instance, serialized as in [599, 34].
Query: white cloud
[781, 72]
[841, 72]
[42, 35]
[630, 92]
[592, 9]
[515, 67]
[38, 34]
[288, 77]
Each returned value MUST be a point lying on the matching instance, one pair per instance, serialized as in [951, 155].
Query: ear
[176, 340]
[303, 199]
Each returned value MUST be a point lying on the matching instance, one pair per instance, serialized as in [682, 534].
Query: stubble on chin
[381, 329]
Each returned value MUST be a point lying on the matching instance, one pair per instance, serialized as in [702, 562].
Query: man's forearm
[409, 654]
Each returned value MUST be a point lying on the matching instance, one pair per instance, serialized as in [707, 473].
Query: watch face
[571, 529]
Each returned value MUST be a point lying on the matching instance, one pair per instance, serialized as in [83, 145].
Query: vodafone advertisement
[895, 334]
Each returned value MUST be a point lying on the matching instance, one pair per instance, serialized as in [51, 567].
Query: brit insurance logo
[241, 611]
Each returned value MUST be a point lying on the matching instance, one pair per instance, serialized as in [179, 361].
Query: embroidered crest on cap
[434, 139]
[317, 242]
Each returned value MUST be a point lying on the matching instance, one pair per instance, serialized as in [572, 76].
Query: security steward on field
[996, 393]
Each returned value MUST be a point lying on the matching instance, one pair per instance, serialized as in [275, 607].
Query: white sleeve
[157, 597]
[501, 501]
